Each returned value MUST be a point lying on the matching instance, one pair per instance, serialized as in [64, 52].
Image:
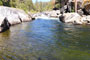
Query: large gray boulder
[11, 16]
[74, 18]
[71, 17]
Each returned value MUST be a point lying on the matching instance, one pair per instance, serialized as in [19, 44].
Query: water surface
[45, 40]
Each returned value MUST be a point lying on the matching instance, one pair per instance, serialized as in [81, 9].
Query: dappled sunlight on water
[45, 40]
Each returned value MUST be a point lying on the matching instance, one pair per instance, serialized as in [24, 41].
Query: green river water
[45, 40]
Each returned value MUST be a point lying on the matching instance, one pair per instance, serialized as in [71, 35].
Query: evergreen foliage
[27, 5]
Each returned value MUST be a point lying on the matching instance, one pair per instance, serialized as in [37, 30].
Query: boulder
[75, 18]
[85, 19]
[80, 12]
[71, 18]
[14, 15]
[23, 16]
[14, 19]
[55, 13]
[11, 16]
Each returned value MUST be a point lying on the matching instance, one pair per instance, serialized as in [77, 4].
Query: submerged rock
[11, 16]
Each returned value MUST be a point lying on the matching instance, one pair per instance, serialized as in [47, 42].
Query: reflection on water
[45, 40]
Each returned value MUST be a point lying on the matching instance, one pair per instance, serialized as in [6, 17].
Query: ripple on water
[45, 40]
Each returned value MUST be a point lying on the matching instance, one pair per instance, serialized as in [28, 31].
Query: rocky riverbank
[75, 18]
[11, 16]
[47, 14]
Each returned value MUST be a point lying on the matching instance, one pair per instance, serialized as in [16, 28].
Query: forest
[28, 5]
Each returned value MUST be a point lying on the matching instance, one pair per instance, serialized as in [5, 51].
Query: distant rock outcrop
[11, 16]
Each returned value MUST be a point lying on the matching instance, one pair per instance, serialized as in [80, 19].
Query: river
[45, 40]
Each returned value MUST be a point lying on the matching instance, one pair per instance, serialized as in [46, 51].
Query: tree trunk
[75, 5]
